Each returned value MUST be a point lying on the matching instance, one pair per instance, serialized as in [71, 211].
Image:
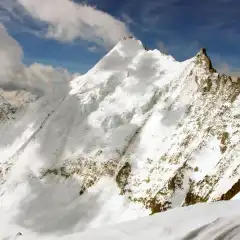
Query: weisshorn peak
[139, 133]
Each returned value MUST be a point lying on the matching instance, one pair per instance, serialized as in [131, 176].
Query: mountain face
[138, 134]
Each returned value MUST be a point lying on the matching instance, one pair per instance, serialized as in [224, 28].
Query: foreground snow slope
[138, 134]
[202, 221]
[199, 222]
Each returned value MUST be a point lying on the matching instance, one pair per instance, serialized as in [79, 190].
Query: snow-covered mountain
[138, 134]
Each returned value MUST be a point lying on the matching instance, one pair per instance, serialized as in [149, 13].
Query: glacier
[138, 134]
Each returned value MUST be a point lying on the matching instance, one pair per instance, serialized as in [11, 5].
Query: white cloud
[223, 67]
[9, 7]
[162, 47]
[128, 19]
[68, 21]
[10, 55]
[36, 78]
[228, 69]
[93, 49]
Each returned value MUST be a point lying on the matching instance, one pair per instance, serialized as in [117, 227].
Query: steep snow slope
[236, 197]
[138, 134]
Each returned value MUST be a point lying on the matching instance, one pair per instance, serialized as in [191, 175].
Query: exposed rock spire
[203, 58]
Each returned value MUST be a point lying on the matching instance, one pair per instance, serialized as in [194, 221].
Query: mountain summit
[139, 133]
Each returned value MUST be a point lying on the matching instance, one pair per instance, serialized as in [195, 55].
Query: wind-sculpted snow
[212, 221]
[202, 221]
[138, 134]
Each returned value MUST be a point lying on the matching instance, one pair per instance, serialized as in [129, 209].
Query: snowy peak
[119, 57]
[138, 134]
[128, 47]
[130, 54]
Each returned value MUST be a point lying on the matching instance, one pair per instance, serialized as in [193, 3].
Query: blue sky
[179, 27]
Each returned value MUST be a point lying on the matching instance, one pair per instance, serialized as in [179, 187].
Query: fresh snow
[62, 151]
[96, 120]
[236, 197]
[203, 221]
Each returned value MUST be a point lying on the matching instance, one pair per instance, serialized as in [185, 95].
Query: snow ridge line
[151, 111]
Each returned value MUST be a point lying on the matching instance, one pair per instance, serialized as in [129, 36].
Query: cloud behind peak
[68, 21]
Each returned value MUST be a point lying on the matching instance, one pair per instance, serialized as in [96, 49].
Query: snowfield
[202, 221]
[140, 133]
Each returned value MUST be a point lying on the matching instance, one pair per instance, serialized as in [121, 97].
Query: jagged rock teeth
[203, 51]
[204, 60]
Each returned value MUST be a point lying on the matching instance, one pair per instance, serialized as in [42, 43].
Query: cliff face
[138, 134]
